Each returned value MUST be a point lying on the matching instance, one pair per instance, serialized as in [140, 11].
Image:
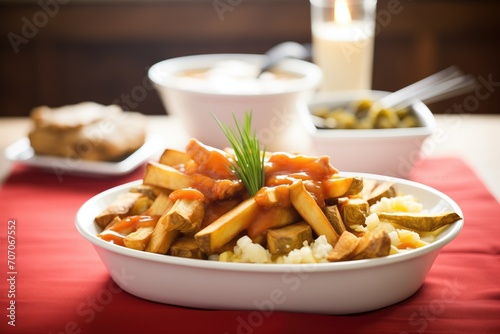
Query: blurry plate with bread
[85, 138]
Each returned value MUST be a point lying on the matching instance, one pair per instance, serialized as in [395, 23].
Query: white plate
[22, 152]
[329, 288]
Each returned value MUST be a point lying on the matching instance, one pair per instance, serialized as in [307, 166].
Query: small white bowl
[391, 152]
[328, 288]
[272, 102]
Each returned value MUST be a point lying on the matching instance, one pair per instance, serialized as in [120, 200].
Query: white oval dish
[327, 288]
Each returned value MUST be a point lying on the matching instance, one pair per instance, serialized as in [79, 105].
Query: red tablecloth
[60, 285]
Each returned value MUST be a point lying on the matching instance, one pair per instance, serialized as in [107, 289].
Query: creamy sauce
[208, 73]
[234, 76]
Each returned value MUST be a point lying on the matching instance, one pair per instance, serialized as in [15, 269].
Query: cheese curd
[403, 203]
[246, 251]
[401, 239]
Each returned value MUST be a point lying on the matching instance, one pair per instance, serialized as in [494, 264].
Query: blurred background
[57, 52]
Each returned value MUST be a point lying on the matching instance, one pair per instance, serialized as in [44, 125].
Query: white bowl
[391, 152]
[328, 288]
[273, 103]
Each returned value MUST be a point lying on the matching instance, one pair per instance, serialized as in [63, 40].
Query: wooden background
[71, 51]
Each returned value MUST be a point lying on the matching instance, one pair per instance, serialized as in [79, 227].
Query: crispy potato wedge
[344, 247]
[222, 230]
[309, 210]
[187, 247]
[161, 237]
[186, 215]
[165, 177]
[354, 211]
[373, 244]
[426, 222]
[333, 215]
[336, 187]
[138, 239]
[285, 239]
[384, 189]
[171, 157]
[368, 186]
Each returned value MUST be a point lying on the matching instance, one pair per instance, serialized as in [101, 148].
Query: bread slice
[87, 131]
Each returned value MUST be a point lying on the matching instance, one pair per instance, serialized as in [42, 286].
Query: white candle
[345, 54]
[343, 44]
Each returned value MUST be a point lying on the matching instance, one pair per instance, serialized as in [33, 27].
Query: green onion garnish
[249, 165]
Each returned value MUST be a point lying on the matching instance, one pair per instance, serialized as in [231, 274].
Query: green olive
[409, 121]
[386, 119]
[365, 114]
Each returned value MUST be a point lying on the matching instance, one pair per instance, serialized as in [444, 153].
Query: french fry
[142, 203]
[129, 224]
[171, 157]
[186, 247]
[119, 208]
[285, 239]
[109, 235]
[161, 205]
[165, 176]
[131, 231]
[336, 187]
[344, 247]
[222, 230]
[138, 239]
[272, 217]
[161, 237]
[229, 246]
[307, 207]
[114, 222]
[186, 215]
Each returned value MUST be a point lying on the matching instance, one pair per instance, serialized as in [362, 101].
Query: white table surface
[474, 138]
